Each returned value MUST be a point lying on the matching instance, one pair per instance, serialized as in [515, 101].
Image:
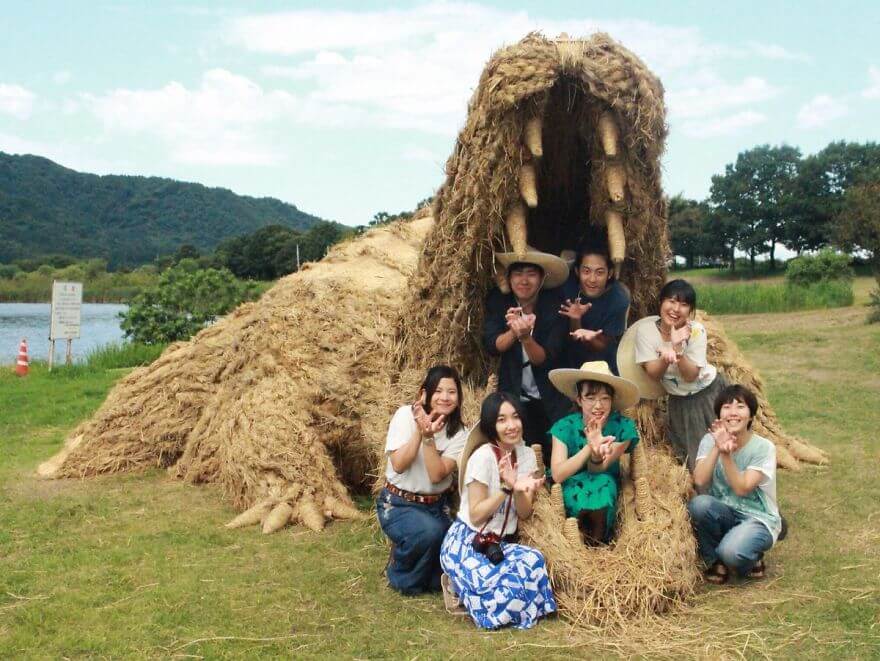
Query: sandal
[716, 574]
[759, 570]
[450, 599]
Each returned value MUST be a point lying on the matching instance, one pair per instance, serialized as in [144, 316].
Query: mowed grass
[140, 565]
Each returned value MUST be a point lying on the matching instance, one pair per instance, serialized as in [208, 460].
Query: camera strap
[508, 502]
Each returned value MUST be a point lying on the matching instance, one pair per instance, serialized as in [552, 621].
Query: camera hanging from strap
[508, 502]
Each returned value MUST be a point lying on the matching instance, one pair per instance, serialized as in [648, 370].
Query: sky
[350, 108]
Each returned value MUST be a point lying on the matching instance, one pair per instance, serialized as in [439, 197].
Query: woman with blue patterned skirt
[498, 581]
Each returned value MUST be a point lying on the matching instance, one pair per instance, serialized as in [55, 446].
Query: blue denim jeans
[725, 535]
[416, 531]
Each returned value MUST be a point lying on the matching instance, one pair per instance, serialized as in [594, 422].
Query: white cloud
[718, 126]
[872, 91]
[819, 111]
[416, 68]
[714, 95]
[217, 123]
[15, 100]
[777, 52]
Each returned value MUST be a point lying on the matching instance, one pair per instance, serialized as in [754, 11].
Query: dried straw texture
[651, 565]
[281, 401]
[570, 84]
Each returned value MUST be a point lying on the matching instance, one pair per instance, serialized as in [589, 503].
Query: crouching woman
[498, 581]
[735, 517]
[424, 442]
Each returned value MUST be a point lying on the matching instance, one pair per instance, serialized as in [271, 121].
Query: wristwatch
[507, 490]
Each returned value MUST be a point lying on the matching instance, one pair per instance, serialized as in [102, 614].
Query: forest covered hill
[49, 209]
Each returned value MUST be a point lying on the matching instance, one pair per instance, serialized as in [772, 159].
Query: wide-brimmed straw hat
[630, 369]
[555, 268]
[626, 393]
[475, 439]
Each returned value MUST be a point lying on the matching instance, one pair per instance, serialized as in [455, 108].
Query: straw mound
[270, 402]
[285, 402]
[650, 566]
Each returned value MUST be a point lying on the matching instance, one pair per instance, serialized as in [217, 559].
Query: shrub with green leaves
[824, 266]
[183, 303]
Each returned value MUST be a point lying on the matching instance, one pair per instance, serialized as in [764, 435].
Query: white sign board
[66, 304]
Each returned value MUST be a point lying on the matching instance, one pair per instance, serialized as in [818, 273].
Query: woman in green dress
[588, 444]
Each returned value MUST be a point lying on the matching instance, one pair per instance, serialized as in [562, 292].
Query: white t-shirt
[648, 341]
[483, 467]
[529, 385]
[415, 478]
[758, 454]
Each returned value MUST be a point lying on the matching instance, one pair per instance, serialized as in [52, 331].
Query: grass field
[141, 566]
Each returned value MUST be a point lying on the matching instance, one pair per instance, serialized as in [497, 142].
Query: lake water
[99, 325]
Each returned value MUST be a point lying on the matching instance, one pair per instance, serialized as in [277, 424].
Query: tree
[821, 183]
[758, 191]
[183, 303]
[858, 228]
[690, 232]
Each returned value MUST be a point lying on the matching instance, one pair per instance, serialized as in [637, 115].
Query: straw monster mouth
[572, 181]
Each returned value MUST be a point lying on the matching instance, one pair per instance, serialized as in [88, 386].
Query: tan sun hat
[626, 393]
[475, 439]
[555, 269]
[630, 369]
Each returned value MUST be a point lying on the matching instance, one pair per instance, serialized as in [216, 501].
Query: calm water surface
[100, 325]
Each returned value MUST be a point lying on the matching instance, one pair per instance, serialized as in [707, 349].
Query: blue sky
[349, 108]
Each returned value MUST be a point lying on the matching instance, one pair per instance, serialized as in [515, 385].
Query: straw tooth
[532, 137]
[501, 281]
[616, 238]
[308, 513]
[278, 517]
[644, 505]
[609, 134]
[253, 515]
[528, 184]
[517, 232]
[539, 459]
[615, 180]
[556, 498]
[571, 531]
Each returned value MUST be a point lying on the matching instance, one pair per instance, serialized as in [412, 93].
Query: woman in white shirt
[424, 442]
[498, 581]
[671, 352]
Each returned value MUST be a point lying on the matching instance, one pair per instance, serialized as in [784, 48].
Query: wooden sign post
[65, 325]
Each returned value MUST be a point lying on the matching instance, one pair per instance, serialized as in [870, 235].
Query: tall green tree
[858, 228]
[690, 231]
[757, 192]
[821, 184]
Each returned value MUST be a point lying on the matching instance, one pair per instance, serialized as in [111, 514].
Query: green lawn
[141, 565]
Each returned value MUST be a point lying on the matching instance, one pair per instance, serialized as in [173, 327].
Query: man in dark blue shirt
[595, 307]
[525, 328]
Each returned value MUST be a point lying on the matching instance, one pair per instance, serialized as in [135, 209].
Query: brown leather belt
[414, 497]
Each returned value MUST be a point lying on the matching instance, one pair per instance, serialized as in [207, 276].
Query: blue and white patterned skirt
[516, 591]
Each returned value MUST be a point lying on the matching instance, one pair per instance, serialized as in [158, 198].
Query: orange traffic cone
[21, 365]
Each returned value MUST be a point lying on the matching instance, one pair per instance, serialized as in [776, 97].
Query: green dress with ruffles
[586, 490]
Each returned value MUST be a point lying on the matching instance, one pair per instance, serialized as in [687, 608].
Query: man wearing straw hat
[524, 328]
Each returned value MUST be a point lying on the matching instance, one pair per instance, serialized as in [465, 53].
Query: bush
[8, 271]
[824, 266]
[183, 303]
[752, 298]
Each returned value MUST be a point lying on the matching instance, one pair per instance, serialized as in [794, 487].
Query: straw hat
[626, 393]
[476, 438]
[555, 268]
[630, 369]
